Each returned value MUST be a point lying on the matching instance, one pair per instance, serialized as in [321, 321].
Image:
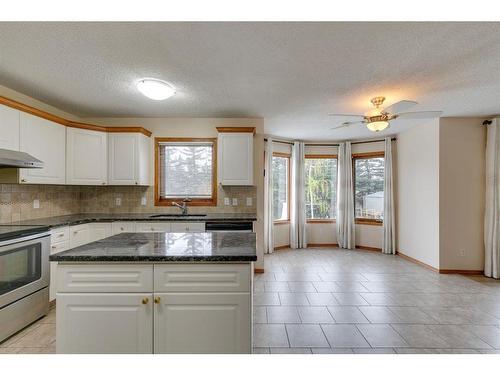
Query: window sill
[320, 221]
[374, 222]
[194, 202]
[281, 222]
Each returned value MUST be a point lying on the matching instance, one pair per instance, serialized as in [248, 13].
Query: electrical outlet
[226, 201]
[36, 203]
[144, 201]
[235, 201]
[249, 201]
[462, 252]
[118, 201]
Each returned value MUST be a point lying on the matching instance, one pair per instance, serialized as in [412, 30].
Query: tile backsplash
[16, 201]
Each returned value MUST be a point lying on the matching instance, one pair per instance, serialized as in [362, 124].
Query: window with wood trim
[320, 187]
[281, 187]
[185, 168]
[368, 175]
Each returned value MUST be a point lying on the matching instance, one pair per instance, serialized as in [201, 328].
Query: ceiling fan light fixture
[377, 126]
[155, 89]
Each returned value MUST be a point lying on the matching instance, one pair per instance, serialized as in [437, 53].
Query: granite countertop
[9, 232]
[59, 221]
[165, 247]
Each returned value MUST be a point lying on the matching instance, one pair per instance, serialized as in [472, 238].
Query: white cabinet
[45, 140]
[235, 156]
[9, 128]
[99, 231]
[59, 241]
[199, 323]
[86, 157]
[128, 159]
[187, 227]
[79, 235]
[99, 323]
[151, 226]
[123, 227]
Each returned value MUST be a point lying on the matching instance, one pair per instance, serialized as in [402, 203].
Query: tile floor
[329, 301]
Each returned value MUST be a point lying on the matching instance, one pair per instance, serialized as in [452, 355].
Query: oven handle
[3, 244]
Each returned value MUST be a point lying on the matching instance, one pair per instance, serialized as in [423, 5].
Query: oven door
[24, 267]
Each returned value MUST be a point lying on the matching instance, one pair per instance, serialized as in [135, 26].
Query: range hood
[18, 159]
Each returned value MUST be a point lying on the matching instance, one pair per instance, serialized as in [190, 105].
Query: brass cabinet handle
[157, 300]
[145, 300]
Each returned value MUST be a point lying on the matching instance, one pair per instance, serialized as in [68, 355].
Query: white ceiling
[292, 74]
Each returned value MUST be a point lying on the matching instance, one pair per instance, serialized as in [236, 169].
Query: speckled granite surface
[58, 221]
[165, 247]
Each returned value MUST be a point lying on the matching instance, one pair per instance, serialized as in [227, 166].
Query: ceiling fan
[379, 118]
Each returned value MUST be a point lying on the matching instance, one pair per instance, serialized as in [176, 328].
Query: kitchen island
[156, 293]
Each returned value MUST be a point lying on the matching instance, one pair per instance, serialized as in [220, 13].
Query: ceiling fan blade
[419, 115]
[400, 106]
[347, 124]
[344, 115]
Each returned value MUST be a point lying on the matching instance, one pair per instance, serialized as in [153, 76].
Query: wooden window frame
[159, 201]
[289, 186]
[364, 155]
[321, 156]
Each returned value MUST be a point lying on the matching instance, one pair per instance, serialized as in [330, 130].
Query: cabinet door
[149, 226]
[87, 156]
[99, 231]
[101, 323]
[54, 249]
[123, 159]
[79, 235]
[144, 160]
[187, 227]
[45, 140]
[202, 323]
[235, 154]
[123, 227]
[9, 128]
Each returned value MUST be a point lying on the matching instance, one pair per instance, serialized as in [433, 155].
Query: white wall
[418, 192]
[462, 187]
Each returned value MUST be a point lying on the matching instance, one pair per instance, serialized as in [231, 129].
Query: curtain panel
[389, 242]
[268, 199]
[345, 198]
[298, 238]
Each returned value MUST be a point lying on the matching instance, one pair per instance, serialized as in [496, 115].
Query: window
[185, 168]
[320, 187]
[281, 187]
[369, 187]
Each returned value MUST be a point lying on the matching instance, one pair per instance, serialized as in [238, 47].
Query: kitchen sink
[159, 216]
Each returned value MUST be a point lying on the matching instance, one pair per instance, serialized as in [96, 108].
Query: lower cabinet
[94, 323]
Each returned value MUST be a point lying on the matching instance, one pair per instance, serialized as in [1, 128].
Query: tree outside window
[320, 188]
[281, 170]
[369, 187]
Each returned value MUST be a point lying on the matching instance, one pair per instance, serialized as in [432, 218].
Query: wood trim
[366, 155]
[281, 222]
[462, 272]
[70, 123]
[195, 202]
[282, 247]
[368, 248]
[258, 270]
[235, 129]
[322, 245]
[320, 221]
[282, 155]
[413, 260]
[320, 156]
[364, 221]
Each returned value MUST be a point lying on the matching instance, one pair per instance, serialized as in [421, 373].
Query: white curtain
[389, 243]
[298, 238]
[268, 199]
[492, 213]
[345, 198]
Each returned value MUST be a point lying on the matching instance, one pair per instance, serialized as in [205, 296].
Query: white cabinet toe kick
[154, 308]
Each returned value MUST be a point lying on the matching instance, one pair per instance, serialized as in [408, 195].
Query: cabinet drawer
[123, 227]
[59, 234]
[104, 278]
[202, 278]
[58, 247]
[150, 226]
[79, 235]
[187, 227]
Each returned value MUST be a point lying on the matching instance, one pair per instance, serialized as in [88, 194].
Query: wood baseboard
[462, 272]
[413, 260]
[442, 271]
[368, 248]
[322, 245]
[258, 270]
[282, 247]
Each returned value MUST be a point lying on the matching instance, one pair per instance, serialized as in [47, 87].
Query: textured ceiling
[292, 74]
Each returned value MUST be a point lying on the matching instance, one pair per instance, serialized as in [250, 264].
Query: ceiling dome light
[155, 89]
[377, 126]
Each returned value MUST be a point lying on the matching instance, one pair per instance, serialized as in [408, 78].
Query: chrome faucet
[182, 206]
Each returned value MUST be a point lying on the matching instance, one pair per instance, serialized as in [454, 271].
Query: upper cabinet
[45, 140]
[9, 128]
[235, 156]
[86, 157]
[128, 159]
